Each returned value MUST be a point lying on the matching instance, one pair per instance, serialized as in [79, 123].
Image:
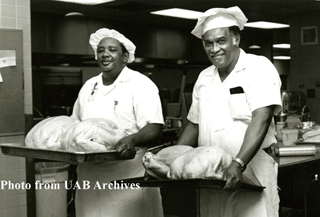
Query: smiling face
[110, 56]
[221, 47]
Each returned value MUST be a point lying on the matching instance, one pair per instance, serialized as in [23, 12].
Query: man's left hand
[233, 175]
[126, 147]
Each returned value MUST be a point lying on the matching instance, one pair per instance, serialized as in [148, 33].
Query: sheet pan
[195, 183]
[20, 150]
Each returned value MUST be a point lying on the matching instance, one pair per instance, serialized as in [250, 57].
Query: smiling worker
[233, 104]
[131, 101]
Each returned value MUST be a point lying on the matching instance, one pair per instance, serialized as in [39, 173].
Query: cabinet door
[304, 178]
[12, 120]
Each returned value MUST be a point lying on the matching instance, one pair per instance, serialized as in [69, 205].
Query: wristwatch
[243, 165]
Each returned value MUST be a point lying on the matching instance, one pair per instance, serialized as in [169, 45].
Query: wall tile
[23, 210]
[28, 87]
[1, 165]
[8, 2]
[9, 23]
[23, 199]
[8, 11]
[23, 164]
[28, 109]
[3, 212]
[23, 12]
[27, 59]
[27, 37]
[2, 203]
[12, 175]
[27, 98]
[23, 23]
[12, 163]
[23, 3]
[2, 194]
[28, 73]
[17, 191]
[13, 201]
[14, 212]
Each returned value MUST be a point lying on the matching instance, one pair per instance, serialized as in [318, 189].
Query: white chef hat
[219, 18]
[96, 37]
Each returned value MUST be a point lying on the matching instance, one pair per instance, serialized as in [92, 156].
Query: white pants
[262, 170]
[120, 202]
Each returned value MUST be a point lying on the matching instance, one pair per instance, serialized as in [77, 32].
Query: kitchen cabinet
[299, 184]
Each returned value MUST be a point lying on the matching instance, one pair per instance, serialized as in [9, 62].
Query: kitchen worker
[131, 100]
[233, 104]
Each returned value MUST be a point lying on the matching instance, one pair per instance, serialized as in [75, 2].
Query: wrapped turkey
[200, 162]
[185, 162]
[158, 165]
[47, 134]
[94, 134]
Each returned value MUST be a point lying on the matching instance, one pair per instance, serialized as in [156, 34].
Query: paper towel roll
[296, 150]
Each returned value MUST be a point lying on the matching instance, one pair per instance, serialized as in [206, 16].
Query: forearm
[189, 135]
[255, 134]
[148, 135]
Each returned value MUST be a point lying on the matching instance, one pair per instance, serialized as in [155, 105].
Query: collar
[241, 63]
[124, 76]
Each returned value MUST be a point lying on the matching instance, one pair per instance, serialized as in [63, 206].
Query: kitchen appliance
[293, 103]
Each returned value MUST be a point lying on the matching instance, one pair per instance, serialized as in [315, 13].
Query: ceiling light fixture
[266, 25]
[86, 2]
[281, 46]
[71, 14]
[254, 47]
[281, 57]
[178, 12]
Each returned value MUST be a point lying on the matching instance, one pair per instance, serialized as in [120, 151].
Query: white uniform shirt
[131, 101]
[255, 83]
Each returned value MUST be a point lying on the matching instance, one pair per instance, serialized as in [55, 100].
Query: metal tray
[195, 183]
[20, 150]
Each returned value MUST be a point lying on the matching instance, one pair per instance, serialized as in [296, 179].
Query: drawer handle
[315, 178]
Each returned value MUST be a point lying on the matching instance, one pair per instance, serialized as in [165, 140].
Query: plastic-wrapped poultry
[185, 162]
[47, 134]
[200, 162]
[94, 134]
[158, 165]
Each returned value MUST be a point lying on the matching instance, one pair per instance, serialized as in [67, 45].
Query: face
[221, 47]
[110, 56]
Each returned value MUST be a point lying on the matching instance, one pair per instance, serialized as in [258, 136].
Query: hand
[233, 175]
[126, 147]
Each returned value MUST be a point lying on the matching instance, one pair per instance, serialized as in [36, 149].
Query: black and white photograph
[159, 108]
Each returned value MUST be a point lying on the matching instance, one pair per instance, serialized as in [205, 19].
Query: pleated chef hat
[219, 18]
[96, 37]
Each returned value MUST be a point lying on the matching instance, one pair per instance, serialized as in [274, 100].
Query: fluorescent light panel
[180, 13]
[73, 14]
[266, 25]
[86, 2]
[281, 57]
[281, 46]
[254, 47]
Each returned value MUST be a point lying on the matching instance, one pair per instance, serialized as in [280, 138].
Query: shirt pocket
[124, 114]
[239, 108]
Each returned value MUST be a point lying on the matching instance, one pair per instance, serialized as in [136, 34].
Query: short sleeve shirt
[254, 83]
[132, 101]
